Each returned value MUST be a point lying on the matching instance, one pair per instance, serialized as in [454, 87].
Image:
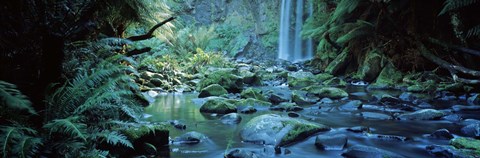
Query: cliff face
[245, 28]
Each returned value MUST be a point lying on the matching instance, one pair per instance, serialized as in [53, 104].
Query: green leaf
[68, 126]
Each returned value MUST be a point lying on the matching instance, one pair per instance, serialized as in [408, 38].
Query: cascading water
[291, 45]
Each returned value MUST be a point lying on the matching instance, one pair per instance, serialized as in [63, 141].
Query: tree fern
[68, 126]
[450, 5]
[13, 98]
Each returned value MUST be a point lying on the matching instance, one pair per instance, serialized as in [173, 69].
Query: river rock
[219, 106]
[272, 129]
[328, 92]
[472, 130]
[445, 151]
[425, 105]
[466, 108]
[252, 102]
[286, 106]
[177, 124]
[326, 101]
[301, 98]
[293, 114]
[407, 96]
[191, 138]
[376, 116]
[212, 90]
[241, 153]
[248, 110]
[351, 105]
[253, 93]
[475, 99]
[442, 134]
[425, 114]
[231, 118]
[452, 118]
[361, 151]
[359, 129]
[335, 142]
[300, 79]
[225, 77]
[466, 143]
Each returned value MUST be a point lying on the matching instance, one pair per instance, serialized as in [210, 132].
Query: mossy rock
[390, 77]
[156, 135]
[224, 77]
[253, 93]
[323, 77]
[219, 106]
[250, 78]
[469, 147]
[276, 130]
[328, 92]
[426, 86]
[371, 66]
[301, 79]
[339, 63]
[212, 90]
[139, 131]
[252, 102]
[301, 98]
[335, 81]
[424, 114]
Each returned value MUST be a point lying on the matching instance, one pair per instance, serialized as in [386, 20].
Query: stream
[184, 107]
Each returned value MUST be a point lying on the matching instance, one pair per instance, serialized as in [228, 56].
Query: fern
[13, 98]
[18, 140]
[115, 138]
[474, 32]
[450, 5]
[362, 28]
[68, 126]
[27, 146]
[344, 7]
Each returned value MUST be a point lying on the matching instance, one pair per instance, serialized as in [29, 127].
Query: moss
[212, 90]
[426, 86]
[371, 66]
[225, 78]
[335, 81]
[300, 131]
[466, 143]
[301, 79]
[323, 77]
[252, 102]
[134, 133]
[389, 77]
[330, 92]
[218, 105]
[338, 64]
[253, 93]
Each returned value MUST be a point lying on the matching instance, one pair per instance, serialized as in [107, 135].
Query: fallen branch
[450, 46]
[149, 34]
[453, 69]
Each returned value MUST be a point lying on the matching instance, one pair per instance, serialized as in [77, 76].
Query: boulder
[191, 138]
[223, 76]
[252, 102]
[371, 66]
[442, 134]
[335, 142]
[286, 106]
[278, 97]
[389, 77]
[218, 105]
[407, 96]
[329, 92]
[253, 93]
[351, 105]
[231, 118]
[248, 110]
[300, 79]
[425, 114]
[472, 130]
[275, 130]
[361, 151]
[339, 63]
[212, 90]
[466, 143]
[301, 98]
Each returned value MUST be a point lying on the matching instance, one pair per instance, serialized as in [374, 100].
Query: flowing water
[291, 45]
[185, 108]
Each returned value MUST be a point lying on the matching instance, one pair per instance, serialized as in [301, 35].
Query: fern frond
[115, 138]
[99, 98]
[343, 8]
[68, 126]
[28, 146]
[475, 31]
[13, 136]
[13, 98]
[450, 5]
[362, 28]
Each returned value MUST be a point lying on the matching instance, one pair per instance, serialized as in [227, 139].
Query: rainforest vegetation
[202, 78]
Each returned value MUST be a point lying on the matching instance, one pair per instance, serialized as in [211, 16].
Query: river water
[185, 108]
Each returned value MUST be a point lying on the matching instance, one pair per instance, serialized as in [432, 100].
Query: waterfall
[291, 46]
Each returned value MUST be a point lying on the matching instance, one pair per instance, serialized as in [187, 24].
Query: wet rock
[472, 130]
[474, 99]
[389, 77]
[212, 90]
[386, 137]
[250, 77]
[445, 151]
[327, 92]
[326, 101]
[219, 106]
[376, 116]
[360, 151]
[225, 77]
[337, 82]
[177, 124]
[253, 93]
[466, 143]
[442, 134]
[231, 118]
[248, 110]
[293, 114]
[387, 99]
[275, 130]
[301, 98]
[351, 105]
[277, 96]
[359, 129]
[371, 66]
[452, 118]
[291, 67]
[425, 114]
[335, 142]
[252, 102]
[241, 153]
[339, 63]
[425, 105]
[407, 96]
[192, 137]
[466, 108]
[300, 79]
[286, 106]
